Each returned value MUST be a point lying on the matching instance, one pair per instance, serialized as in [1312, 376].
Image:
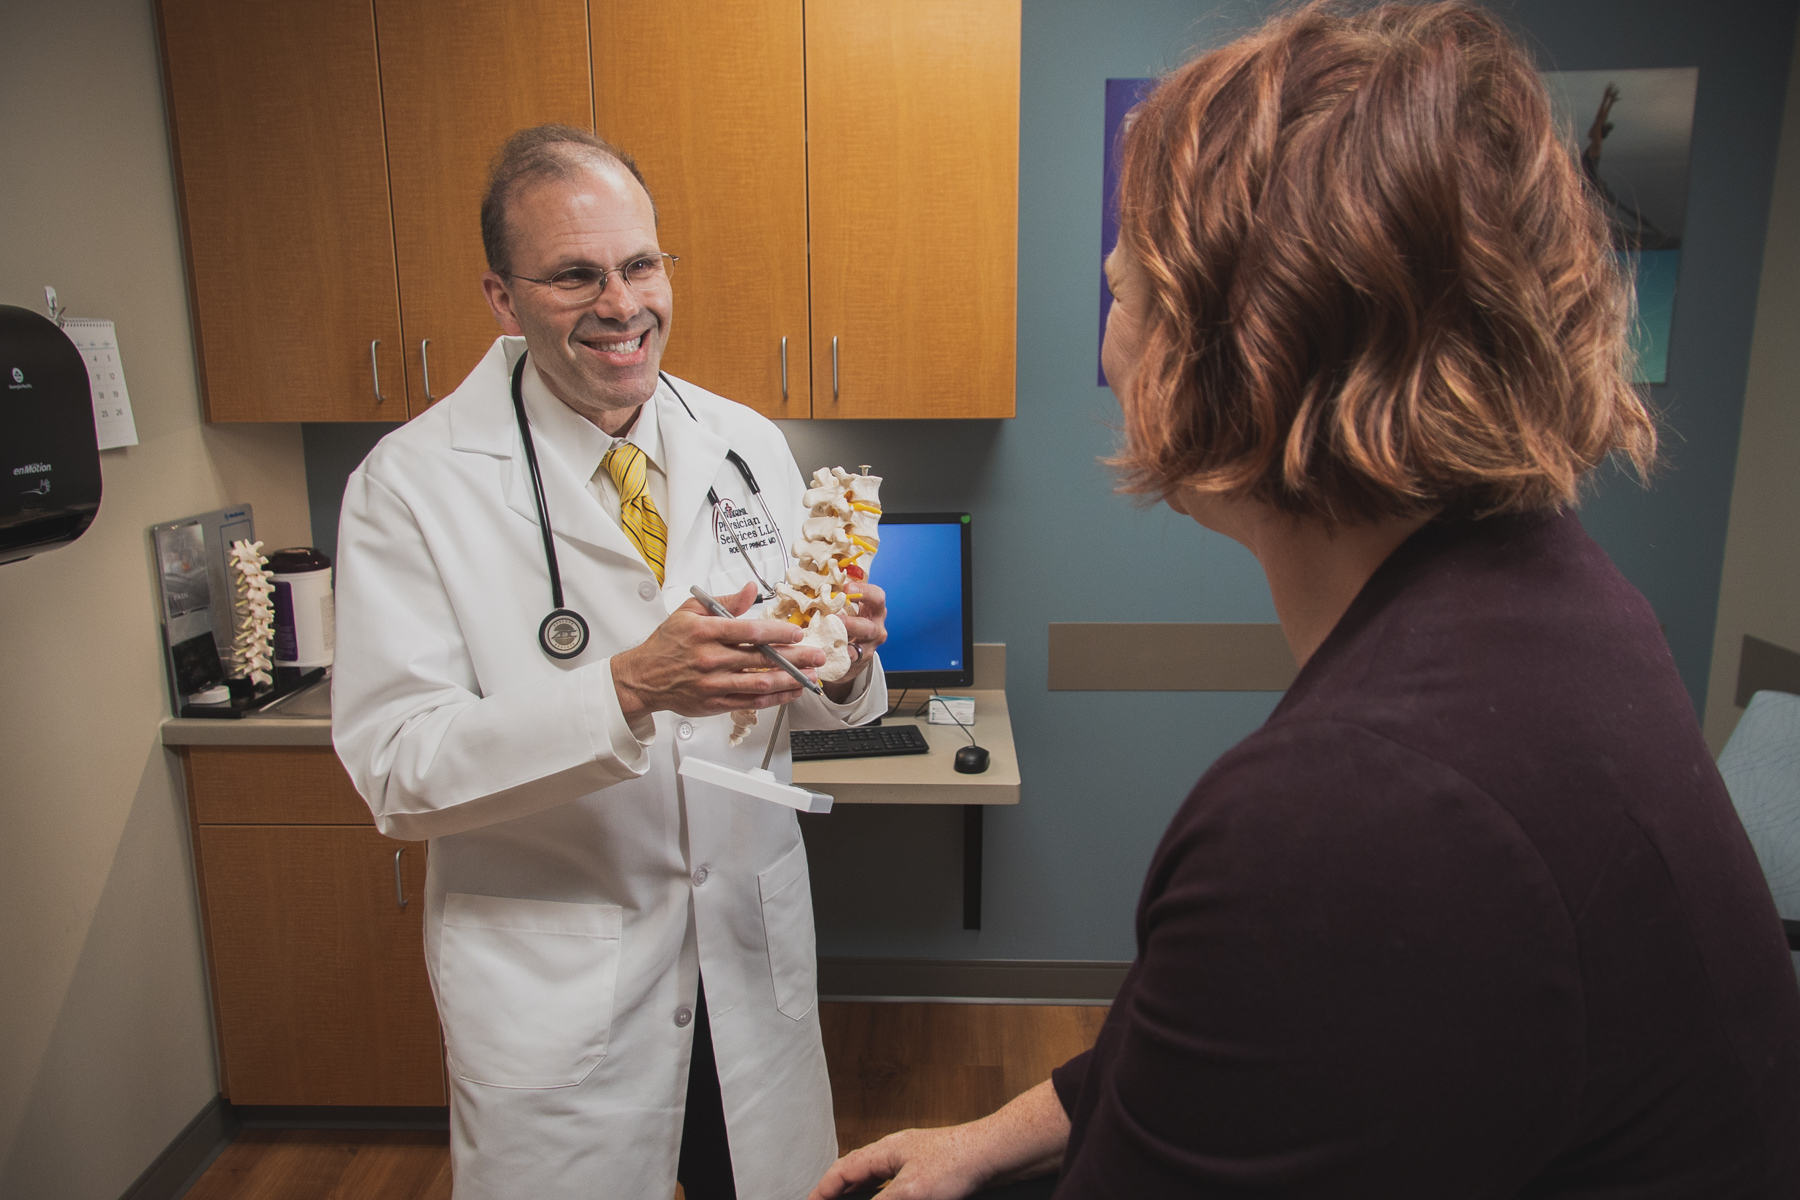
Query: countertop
[304, 719]
[927, 778]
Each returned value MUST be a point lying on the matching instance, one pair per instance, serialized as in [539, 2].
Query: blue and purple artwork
[1122, 95]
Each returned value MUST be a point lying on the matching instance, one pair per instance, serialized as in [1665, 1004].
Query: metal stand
[972, 866]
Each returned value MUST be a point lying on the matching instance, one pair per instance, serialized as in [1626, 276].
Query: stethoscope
[564, 633]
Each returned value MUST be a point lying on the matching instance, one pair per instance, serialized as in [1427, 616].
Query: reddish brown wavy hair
[1376, 282]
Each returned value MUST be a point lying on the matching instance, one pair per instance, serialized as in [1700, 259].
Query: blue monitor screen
[920, 567]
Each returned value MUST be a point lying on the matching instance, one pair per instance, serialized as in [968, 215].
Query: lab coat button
[700, 874]
[684, 731]
[647, 590]
[682, 1017]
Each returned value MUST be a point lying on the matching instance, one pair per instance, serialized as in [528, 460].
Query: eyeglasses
[584, 285]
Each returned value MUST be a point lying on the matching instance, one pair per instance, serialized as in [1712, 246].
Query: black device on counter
[248, 701]
[49, 450]
[970, 759]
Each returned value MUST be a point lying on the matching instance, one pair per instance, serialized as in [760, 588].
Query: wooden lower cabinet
[315, 946]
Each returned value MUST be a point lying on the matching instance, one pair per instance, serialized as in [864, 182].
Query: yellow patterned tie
[628, 467]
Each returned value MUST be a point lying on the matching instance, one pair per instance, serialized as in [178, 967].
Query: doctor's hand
[699, 665]
[867, 630]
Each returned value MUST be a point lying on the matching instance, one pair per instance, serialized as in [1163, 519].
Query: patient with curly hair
[1471, 915]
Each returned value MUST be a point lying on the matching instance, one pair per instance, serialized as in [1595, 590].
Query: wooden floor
[893, 1066]
[339, 1164]
[905, 1066]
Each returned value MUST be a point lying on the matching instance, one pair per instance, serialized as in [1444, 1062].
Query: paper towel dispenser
[49, 454]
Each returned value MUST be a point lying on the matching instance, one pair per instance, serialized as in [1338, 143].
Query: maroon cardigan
[1470, 916]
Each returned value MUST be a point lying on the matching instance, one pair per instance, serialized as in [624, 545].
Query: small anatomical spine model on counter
[253, 647]
[838, 539]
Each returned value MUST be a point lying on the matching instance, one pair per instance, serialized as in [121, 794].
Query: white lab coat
[576, 883]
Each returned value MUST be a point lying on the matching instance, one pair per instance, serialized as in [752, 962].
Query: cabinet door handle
[834, 373]
[425, 362]
[399, 888]
[784, 368]
[375, 370]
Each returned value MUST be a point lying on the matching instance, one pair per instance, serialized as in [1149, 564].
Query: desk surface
[305, 720]
[927, 778]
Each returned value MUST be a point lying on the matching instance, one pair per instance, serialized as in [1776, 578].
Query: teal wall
[1655, 274]
[1103, 772]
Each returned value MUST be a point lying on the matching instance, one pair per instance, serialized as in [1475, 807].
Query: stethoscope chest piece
[563, 634]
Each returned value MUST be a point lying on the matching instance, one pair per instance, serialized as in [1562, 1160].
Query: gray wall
[1670, 541]
[1760, 592]
[1103, 772]
[105, 1031]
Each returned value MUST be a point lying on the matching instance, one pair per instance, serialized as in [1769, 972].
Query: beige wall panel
[105, 1040]
[719, 129]
[458, 79]
[1180, 657]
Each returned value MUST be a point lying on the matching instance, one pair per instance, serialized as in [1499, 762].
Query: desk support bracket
[972, 866]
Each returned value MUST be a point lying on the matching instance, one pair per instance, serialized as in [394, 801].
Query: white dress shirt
[581, 444]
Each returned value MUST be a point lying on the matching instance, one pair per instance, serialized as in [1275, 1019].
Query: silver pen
[719, 610]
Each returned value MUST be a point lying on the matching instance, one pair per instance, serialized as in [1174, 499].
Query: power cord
[924, 709]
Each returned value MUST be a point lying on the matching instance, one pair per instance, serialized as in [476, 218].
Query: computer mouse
[971, 760]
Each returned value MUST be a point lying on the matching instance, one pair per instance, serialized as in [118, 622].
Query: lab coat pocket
[788, 928]
[525, 988]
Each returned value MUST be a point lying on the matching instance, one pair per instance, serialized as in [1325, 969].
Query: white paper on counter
[99, 346]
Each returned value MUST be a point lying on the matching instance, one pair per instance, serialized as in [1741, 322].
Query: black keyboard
[876, 742]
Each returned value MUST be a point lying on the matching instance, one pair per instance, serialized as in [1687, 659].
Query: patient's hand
[1023, 1139]
[925, 1164]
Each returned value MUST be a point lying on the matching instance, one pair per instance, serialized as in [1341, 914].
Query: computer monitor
[924, 566]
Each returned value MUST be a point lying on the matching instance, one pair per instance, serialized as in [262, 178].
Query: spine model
[253, 648]
[838, 539]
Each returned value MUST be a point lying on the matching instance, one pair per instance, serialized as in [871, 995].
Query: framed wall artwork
[1629, 132]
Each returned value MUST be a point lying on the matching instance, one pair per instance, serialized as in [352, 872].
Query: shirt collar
[646, 433]
[577, 441]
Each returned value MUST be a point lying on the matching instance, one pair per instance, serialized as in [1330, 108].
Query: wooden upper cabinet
[709, 96]
[275, 116]
[458, 79]
[913, 158]
[838, 177]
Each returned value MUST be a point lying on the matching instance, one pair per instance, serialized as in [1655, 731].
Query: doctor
[598, 936]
